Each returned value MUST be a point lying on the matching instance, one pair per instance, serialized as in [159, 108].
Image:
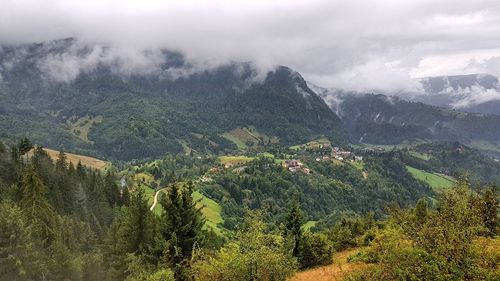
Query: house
[358, 158]
[306, 171]
[293, 165]
[340, 154]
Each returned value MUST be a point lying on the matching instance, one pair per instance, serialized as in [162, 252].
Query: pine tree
[62, 161]
[293, 225]
[80, 170]
[134, 232]
[24, 146]
[35, 205]
[139, 227]
[112, 190]
[19, 255]
[181, 225]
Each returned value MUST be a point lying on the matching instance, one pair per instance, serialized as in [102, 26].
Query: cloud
[330, 42]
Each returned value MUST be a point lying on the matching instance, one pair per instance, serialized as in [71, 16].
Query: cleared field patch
[436, 181]
[243, 137]
[338, 270]
[312, 144]
[80, 127]
[238, 159]
[75, 158]
[420, 155]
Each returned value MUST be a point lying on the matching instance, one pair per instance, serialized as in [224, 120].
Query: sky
[356, 44]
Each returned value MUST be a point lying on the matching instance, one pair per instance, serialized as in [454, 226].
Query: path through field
[156, 198]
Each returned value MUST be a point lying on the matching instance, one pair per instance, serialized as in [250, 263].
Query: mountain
[97, 100]
[380, 119]
[476, 93]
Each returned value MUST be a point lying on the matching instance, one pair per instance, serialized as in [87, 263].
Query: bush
[315, 249]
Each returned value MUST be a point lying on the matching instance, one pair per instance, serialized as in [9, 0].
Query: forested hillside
[380, 119]
[129, 114]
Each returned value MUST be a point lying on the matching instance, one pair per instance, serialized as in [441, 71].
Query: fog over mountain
[351, 45]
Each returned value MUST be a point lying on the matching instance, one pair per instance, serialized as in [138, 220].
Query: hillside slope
[83, 98]
[380, 119]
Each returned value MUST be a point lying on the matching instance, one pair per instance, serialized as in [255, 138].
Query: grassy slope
[242, 136]
[420, 155]
[312, 144]
[436, 181]
[235, 159]
[211, 210]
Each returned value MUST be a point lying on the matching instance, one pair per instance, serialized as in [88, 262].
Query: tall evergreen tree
[35, 205]
[112, 190]
[19, 255]
[293, 225]
[139, 227]
[181, 225]
[135, 232]
[62, 161]
[24, 146]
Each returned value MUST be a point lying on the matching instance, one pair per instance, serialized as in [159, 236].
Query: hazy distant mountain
[126, 105]
[380, 119]
[479, 93]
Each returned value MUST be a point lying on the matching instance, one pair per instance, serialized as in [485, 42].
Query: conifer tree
[35, 205]
[139, 227]
[24, 146]
[181, 225]
[112, 190]
[19, 255]
[62, 161]
[80, 170]
[293, 225]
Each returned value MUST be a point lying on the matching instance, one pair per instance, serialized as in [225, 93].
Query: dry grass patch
[75, 158]
[339, 269]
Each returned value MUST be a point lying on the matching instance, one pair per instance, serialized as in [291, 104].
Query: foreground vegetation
[66, 222]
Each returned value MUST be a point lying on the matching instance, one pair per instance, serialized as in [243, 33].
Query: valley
[229, 171]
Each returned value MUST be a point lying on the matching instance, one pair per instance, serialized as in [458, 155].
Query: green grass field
[239, 143]
[247, 135]
[312, 144]
[211, 210]
[420, 155]
[239, 159]
[436, 181]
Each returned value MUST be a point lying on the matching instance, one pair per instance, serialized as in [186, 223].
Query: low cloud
[474, 95]
[333, 43]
